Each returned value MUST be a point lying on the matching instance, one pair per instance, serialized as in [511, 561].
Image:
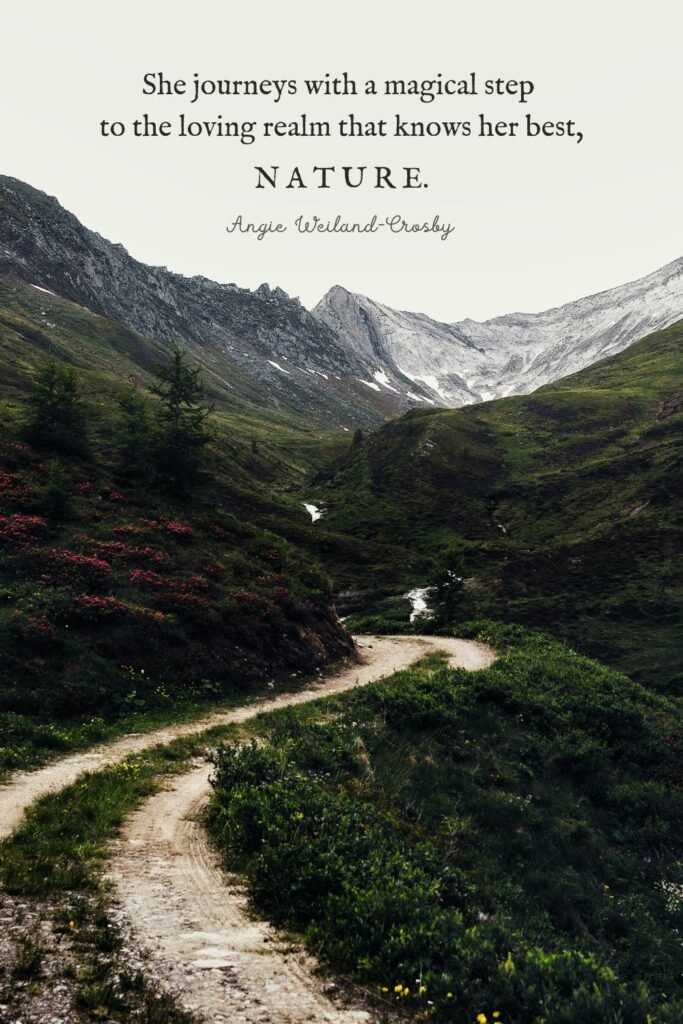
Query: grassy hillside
[567, 503]
[497, 846]
[116, 597]
[34, 324]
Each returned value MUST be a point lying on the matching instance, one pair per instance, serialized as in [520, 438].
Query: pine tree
[181, 432]
[56, 414]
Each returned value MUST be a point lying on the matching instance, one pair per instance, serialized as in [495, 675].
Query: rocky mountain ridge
[351, 361]
[468, 362]
[266, 344]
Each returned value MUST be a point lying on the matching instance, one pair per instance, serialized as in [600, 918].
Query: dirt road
[173, 897]
[380, 656]
[204, 944]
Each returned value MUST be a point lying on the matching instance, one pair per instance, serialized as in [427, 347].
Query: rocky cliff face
[469, 361]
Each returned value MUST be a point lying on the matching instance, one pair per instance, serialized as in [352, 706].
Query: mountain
[468, 362]
[567, 500]
[568, 504]
[352, 361]
[263, 344]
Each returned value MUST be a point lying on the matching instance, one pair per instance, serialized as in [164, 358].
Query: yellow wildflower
[481, 1018]
[398, 988]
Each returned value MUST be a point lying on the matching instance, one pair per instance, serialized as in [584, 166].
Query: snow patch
[278, 367]
[406, 374]
[426, 380]
[46, 291]
[383, 379]
[432, 383]
[369, 384]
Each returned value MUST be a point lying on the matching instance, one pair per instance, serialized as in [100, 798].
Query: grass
[507, 837]
[58, 853]
[279, 447]
[64, 837]
[29, 961]
[491, 819]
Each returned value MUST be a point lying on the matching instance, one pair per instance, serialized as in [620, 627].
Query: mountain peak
[336, 296]
[264, 344]
[264, 291]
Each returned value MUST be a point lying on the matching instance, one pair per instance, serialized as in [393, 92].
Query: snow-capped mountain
[468, 362]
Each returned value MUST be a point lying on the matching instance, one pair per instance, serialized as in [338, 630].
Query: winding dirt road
[173, 896]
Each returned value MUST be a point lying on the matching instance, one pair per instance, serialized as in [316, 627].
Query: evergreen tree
[181, 431]
[56, 414]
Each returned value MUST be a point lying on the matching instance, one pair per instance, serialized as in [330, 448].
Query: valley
[566, 505]
[472, 811]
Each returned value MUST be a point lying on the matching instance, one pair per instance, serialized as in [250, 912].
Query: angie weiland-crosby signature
[339, 225]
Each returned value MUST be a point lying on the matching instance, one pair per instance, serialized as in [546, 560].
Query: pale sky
[537, 222]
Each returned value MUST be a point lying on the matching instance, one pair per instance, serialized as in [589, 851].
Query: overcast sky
[537, 222]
